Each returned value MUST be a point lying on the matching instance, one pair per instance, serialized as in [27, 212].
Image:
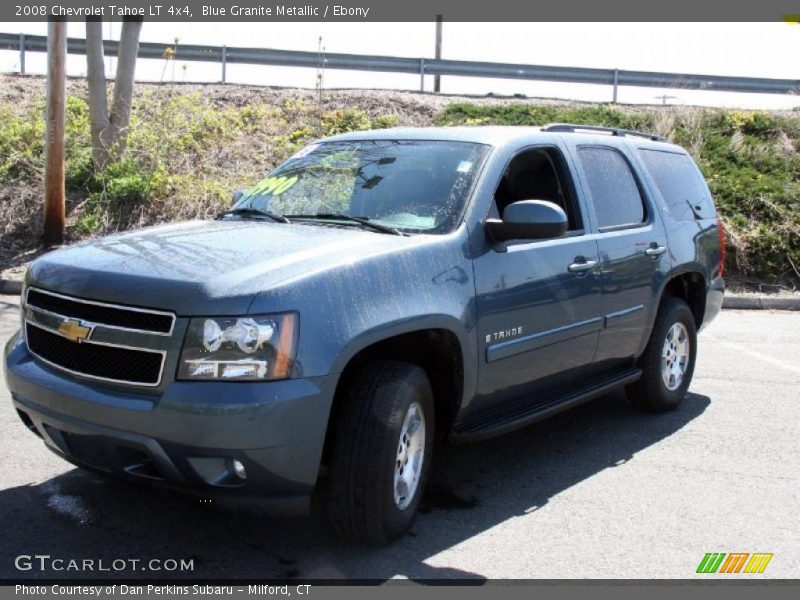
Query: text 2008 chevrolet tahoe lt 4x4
[377, 292]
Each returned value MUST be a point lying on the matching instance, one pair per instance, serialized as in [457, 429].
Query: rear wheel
[668, 360]
[381, 452]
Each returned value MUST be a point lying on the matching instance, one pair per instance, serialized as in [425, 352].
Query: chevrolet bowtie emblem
[75, 331]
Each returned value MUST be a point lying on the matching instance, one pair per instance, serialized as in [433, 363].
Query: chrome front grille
[109, 315]
[98, 361]
[97, 340]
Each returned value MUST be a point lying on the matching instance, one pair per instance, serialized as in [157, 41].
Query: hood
[202, 267]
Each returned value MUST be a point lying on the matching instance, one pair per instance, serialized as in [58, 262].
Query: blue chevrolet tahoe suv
[377, 294]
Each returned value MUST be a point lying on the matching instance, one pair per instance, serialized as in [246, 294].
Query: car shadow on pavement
[474, 487]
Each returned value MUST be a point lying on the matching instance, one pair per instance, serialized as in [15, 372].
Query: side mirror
[527, 220]
[237, 195]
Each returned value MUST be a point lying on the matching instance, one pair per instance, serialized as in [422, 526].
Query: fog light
[238, 468]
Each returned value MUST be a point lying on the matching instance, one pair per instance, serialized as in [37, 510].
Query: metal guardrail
[421, 66]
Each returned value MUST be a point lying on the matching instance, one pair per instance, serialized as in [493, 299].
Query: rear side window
[615, 193]
[680, 183]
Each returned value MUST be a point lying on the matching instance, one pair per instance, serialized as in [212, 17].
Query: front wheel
[668, 360]
[381, 453]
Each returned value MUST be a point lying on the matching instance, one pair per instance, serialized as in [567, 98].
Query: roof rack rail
[616, 131]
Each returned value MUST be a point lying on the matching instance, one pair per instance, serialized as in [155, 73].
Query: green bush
[79, 169]
[344, 120]
[22, 139]
[537, 115]
[755, 123]
[121, 194]
[22, 142]
[384, 122]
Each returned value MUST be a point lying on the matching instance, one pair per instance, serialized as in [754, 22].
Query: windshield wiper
[343, 217]
[253, 212]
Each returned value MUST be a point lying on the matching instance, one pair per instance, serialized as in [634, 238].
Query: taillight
[723, 251]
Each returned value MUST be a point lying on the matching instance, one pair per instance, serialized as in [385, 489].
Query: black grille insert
[105, 315]
[93, 360]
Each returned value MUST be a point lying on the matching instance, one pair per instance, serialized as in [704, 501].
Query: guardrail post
[224, 61]
[437, 80]
[421, 74]
[22, 54]
[616, 86]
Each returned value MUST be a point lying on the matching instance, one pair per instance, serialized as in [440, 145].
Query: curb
[10, 287]
[760, 303]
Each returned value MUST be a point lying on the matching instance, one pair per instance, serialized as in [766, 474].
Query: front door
[538, 302]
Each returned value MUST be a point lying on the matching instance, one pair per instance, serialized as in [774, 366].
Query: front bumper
[188, 435]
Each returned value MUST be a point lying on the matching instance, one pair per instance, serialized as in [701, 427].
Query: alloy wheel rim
[675, 356]
[410, 456]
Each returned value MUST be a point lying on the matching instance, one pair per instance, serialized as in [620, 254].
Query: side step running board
[523, 414]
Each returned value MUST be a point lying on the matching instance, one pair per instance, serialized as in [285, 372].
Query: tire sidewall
[394, 520]
[678, 312]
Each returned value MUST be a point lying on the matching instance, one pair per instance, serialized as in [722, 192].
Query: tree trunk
[56, 119]
[123, 86]
[110, 131]
[102, 136]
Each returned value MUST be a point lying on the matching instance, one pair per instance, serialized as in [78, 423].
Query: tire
[361, 500]
[652, 392]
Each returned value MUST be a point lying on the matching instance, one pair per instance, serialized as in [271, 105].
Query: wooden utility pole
[56, 118]
[437, 81]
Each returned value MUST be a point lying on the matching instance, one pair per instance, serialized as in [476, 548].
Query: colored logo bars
[736, 562]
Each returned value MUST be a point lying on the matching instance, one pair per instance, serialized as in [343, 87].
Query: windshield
[413, 186]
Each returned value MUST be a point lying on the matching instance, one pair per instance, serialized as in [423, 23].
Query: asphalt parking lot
[599, 492]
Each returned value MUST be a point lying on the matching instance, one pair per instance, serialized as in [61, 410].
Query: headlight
[239, 348]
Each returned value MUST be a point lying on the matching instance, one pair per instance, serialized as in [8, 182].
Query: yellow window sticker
[274, 186]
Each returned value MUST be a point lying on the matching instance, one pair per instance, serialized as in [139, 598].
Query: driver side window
[538, 174]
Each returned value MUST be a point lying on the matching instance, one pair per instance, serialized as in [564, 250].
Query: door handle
[581, 264]
[655, 250]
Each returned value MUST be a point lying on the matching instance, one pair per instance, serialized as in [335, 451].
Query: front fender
[403, 326]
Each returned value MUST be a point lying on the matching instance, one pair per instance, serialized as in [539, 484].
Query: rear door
[633, 251]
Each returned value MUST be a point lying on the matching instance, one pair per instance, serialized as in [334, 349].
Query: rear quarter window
[680, 183]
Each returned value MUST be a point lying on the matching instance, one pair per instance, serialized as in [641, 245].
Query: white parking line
[763, 357]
